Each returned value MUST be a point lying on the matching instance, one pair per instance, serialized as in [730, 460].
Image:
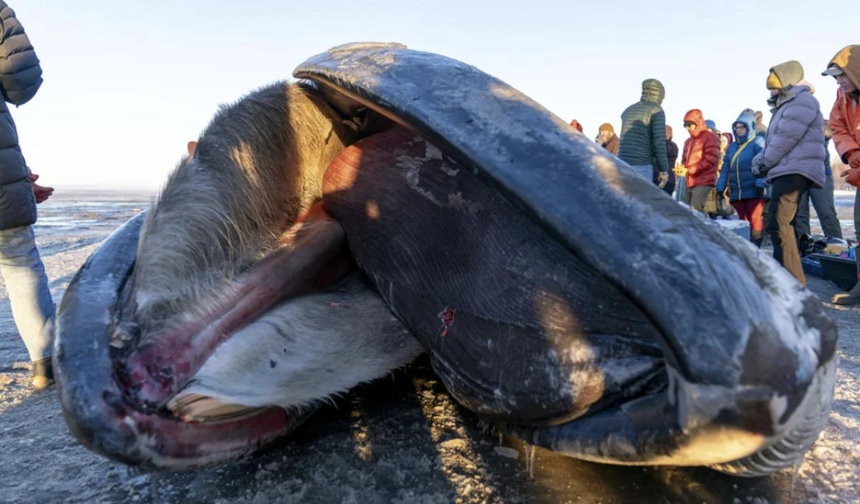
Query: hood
[804, 82]
[785, 75]
[668, 132]
[848, 59]
[696, 116]
[748, 120]
[653, 91]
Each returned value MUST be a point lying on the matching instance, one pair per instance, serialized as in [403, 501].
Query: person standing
[672, 156]
[643, 133]
[20, 264]
[793, 157]
[822, 200]
[608, 139]
[746, 191]
[845, 123]
[700, 157]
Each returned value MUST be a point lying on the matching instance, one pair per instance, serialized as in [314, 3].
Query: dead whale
[324, 232]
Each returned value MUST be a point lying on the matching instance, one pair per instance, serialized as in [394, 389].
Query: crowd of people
[766, 175]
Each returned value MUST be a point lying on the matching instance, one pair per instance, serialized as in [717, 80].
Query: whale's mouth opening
[311, 255]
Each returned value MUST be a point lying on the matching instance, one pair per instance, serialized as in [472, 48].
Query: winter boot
[43, 373]
[756, 238]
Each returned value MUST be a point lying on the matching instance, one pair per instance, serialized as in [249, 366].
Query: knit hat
[785, 75]
[606, 127]
[711, 124]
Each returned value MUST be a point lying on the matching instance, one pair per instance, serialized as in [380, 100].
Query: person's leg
[852, 297]
[669, 188]
[29, 296]
[822, 200]
[755, 210]
[801, 220]
[681, 189]
[741, 208]
[644, 171]
[698, 196]
[786, 195]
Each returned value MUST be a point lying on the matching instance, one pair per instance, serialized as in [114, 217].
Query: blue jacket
[736, 173]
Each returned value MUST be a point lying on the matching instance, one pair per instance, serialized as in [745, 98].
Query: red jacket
[701, 152]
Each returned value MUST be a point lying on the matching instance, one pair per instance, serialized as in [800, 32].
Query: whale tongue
[311, 255]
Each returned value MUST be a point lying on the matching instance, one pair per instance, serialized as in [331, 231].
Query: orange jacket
[845, 115]
[845, 123]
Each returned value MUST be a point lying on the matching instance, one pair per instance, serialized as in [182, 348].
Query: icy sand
[400, 439]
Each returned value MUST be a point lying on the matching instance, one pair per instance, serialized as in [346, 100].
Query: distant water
[82, 210]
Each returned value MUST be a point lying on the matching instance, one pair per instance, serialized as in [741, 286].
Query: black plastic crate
[841, 272]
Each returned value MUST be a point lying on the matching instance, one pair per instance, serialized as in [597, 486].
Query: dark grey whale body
[530, 265]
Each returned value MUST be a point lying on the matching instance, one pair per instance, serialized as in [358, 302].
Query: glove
[852, 176]
[662, 179]
[854, 159]
[756, 170]
[760, 192]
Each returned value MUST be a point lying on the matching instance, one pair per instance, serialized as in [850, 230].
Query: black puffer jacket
[20, 78]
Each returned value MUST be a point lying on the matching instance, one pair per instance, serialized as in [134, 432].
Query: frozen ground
[401, 439]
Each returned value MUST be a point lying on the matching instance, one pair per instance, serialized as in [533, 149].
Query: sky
[128, 83]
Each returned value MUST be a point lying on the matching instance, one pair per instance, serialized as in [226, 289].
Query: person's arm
[788, 132]
[20, 72]
[843, 135]
[658, 140]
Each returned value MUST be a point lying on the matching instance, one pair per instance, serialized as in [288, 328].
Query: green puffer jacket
[643, 129]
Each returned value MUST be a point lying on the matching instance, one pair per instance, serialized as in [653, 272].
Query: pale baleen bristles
[257, 165]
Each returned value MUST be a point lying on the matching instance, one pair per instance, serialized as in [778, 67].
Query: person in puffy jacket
[20, 264]
[700, 157]
[643, 133]
[746, 191]
[845, 123]
[793, 157]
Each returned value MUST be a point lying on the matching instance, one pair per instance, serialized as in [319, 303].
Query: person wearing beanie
[711, 125]
[792, 160]
[746, 191]
[672, 156]
[845, 123]
[643, 133]
[607, 138]
[700, 158]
